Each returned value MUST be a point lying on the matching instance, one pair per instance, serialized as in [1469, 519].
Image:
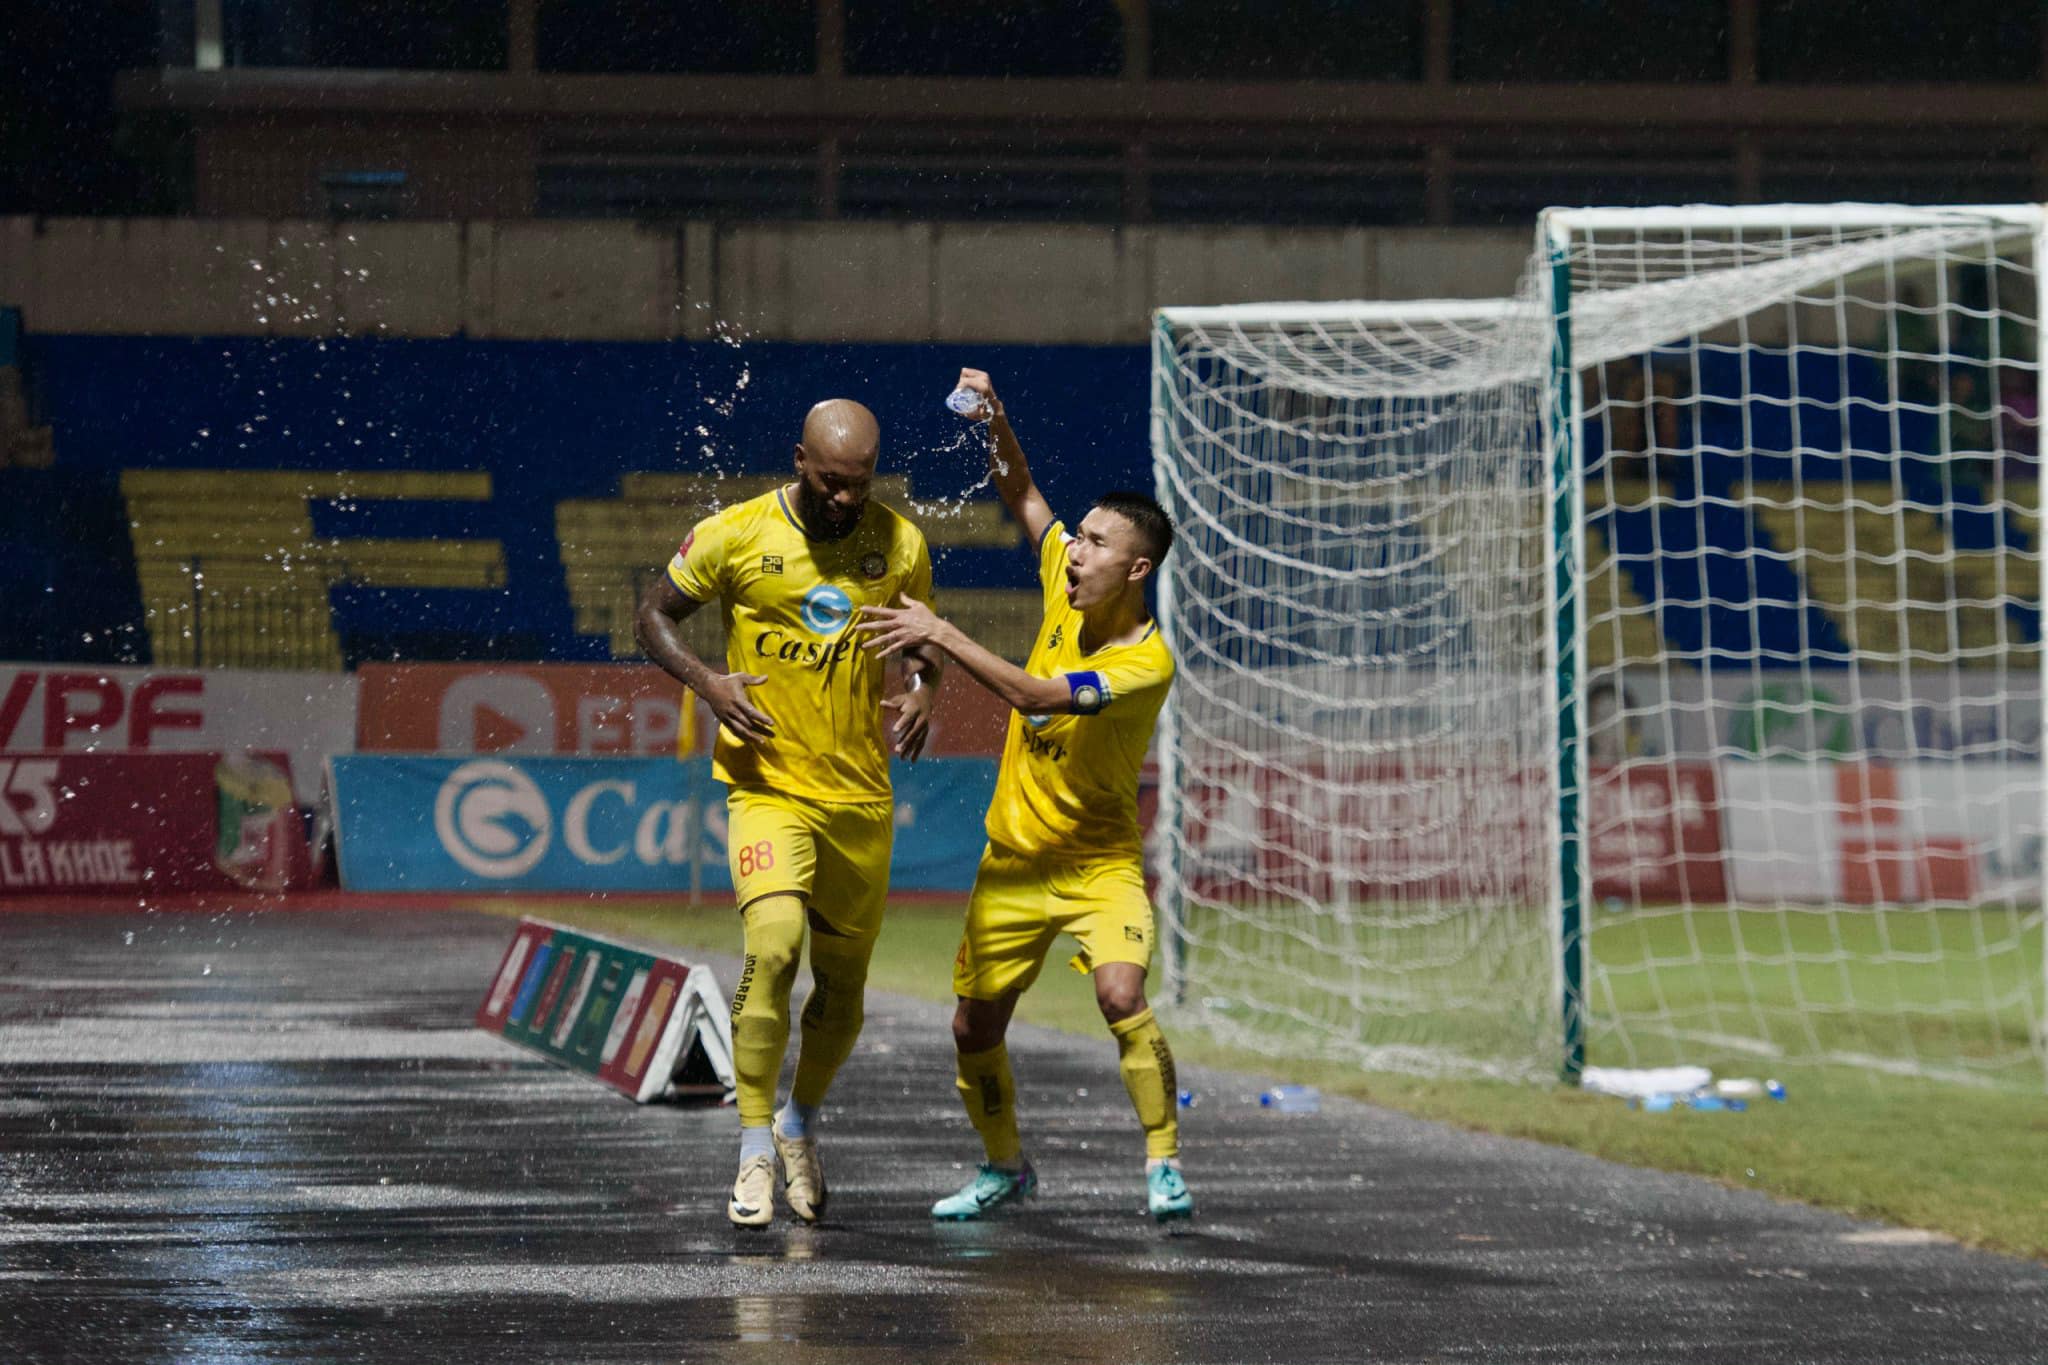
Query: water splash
[971, 448]
[715, 461]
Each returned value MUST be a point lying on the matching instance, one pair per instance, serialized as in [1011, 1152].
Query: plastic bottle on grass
[1292, 1099]
[1749, 1088]
[1704, 1100]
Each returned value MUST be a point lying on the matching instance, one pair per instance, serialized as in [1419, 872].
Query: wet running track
[249, 1137]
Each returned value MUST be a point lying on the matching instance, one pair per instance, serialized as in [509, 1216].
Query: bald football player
[805, 735]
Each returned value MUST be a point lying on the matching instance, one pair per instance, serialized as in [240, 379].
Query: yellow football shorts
[1020, 904]
[833, 857]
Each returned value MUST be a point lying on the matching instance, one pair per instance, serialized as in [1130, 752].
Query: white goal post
[1647, 667]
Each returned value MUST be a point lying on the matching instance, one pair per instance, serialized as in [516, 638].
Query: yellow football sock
[990, 1095]
[833, 1014]
[760, 1003]
[1147, 1066]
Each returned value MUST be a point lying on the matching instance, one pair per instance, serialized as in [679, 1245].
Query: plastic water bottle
[1292, 1099]
[965, 401]
[1187, 1099]
[1776, 1090]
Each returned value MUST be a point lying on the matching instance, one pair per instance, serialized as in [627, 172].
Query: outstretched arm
[1006, 466]
[913, 624]
[657, 627]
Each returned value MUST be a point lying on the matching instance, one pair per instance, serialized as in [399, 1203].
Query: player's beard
[816, 511]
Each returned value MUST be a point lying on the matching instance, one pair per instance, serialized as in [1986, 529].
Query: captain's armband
[1089, 691]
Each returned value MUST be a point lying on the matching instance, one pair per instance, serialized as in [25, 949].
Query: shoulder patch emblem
[683, 550]
[771, 563]
[873, 564]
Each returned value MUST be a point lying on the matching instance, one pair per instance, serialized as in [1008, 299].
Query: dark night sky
[61, 149]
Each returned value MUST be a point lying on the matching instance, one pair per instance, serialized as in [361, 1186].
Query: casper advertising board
[514, 823]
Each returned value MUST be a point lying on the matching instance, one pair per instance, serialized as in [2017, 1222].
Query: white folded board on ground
[645, 1024]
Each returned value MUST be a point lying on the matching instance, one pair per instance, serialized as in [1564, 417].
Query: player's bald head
[841, 429]
[835, 464]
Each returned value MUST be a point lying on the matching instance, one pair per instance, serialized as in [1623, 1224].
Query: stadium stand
[24, 442]
[1723, 558]
[251, 589]
[1628, 634]
[521, 522]
[1888, 574]
[69, 573]
[507, 499]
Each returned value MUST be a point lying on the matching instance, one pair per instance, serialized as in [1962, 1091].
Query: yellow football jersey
[1068, 786]
[789, 602]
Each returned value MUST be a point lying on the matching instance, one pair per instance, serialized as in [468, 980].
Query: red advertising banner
[522, 709]
[1934, 832]
[101, 823]
[152, 710]
[1375, 831]
[1393, 832]
[1653, 830]
[587, 709]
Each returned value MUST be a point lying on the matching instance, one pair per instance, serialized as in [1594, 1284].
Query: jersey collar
[789, 515]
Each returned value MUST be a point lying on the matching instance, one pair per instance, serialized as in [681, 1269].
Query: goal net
[1352, 851]
[1642, 670]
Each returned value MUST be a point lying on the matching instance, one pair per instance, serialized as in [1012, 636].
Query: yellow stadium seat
[251, 589]
[1885, 571]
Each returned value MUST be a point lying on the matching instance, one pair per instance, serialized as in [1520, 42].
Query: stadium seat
[1881, 568]
[1620, 628]
[252, 590]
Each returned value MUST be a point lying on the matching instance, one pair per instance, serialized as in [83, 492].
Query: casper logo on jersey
[1043, 746]
[781, 646]
[827, 609]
